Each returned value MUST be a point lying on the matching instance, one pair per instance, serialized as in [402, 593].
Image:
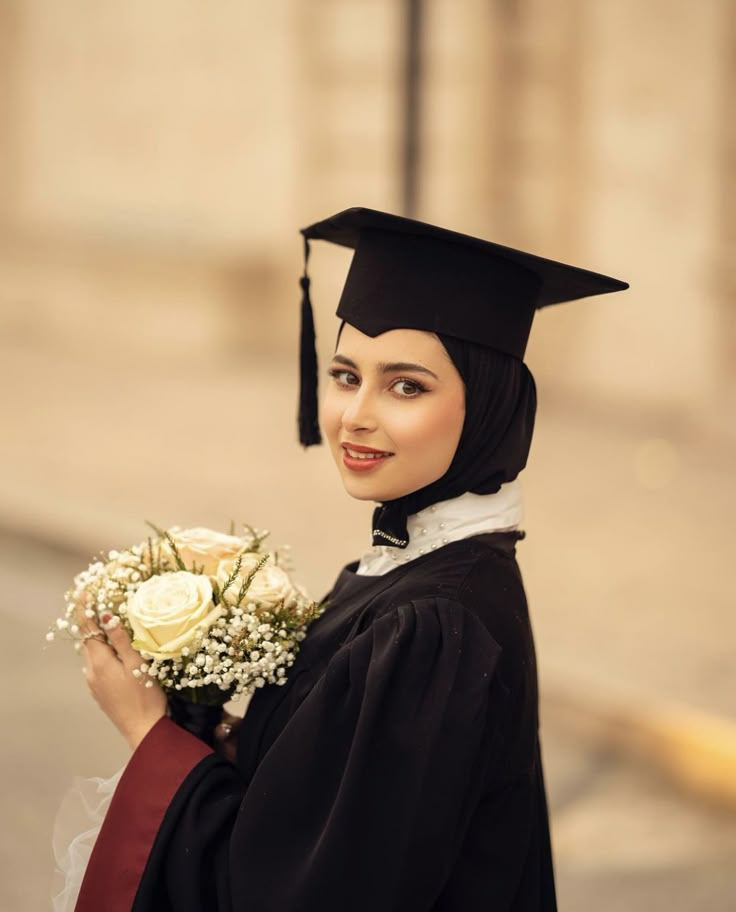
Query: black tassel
[309, 434]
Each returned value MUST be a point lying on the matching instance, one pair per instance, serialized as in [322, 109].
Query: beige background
[156, 162]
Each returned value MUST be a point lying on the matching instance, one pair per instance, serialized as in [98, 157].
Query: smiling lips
[360, 458]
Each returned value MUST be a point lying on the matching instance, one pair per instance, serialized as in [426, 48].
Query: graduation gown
[398, 768]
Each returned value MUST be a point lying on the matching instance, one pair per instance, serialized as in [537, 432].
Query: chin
[362, 491]
[370, 490]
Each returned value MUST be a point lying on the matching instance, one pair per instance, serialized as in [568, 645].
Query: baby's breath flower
[248, 645]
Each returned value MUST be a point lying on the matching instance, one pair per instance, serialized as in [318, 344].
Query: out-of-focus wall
[152, 159]
[169, 126]
[599, 132]
[158, 159]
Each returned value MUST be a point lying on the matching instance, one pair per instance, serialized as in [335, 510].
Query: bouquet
[214, 616]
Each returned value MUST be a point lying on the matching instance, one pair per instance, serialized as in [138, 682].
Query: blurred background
[156, 162]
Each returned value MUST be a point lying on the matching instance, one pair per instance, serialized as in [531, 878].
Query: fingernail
[109, 620]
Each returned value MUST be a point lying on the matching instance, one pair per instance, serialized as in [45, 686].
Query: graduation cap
[407, 274]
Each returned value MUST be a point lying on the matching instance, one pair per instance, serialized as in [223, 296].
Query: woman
[399, 768]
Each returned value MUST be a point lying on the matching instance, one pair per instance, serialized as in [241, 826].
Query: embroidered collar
[449, 521]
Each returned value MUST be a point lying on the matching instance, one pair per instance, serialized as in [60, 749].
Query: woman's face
[393, 412]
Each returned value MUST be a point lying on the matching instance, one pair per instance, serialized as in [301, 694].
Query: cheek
[435, 433]
[330, 415]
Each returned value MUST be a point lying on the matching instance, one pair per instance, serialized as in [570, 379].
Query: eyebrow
[389, 367]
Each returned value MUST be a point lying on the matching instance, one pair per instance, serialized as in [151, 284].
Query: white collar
[449, 521]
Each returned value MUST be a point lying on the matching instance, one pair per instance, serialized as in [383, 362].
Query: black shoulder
[493, 590]
[445, 571]
[481, 574]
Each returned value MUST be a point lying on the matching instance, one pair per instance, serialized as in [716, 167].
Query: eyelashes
[417, 388]
[336, 373]
[346, 379]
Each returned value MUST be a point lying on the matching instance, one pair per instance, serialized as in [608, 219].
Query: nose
[359, 414]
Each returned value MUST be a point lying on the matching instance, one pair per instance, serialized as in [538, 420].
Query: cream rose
[204, 547]
[166, 612]
[270, 586]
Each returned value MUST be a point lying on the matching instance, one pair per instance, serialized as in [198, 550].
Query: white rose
[204, 547]
[166, 612]
[270, 586]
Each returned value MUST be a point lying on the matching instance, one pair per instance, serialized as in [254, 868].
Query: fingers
[89, 630]
[227, 727]
[109, 652]
[226, 736]
[86, 617]
[119, 639]
[96, 651]
[89, 633]
[98, 659]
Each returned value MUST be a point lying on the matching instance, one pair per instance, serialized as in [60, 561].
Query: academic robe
[398, 769]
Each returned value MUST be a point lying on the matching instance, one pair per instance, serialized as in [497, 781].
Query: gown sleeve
[362, 800]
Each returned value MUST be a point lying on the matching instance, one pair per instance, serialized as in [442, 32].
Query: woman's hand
[226, 736]
[132, 707]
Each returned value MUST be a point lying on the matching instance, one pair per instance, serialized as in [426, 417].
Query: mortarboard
[407, 274]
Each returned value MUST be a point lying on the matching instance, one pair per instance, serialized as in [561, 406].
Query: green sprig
[233, 576]
[249, 579]
[257, 540]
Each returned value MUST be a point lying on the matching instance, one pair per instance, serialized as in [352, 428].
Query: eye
[407, 389]
[345, 379]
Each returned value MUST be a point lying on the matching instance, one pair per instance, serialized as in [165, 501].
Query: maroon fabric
[138, 806]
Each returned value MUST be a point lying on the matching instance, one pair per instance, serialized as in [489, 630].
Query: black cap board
[407, 274]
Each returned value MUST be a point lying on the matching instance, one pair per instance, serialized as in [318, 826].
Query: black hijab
[500, 405]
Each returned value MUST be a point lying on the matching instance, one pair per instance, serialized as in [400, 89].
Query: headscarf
[500, 405]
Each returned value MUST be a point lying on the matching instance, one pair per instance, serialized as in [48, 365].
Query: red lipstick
[370, 457]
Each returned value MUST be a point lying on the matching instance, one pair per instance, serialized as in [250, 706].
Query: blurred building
[157, 159]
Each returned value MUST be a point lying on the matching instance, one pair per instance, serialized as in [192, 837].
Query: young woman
[399, 768]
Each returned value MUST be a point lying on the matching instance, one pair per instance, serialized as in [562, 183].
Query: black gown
[398, 769]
